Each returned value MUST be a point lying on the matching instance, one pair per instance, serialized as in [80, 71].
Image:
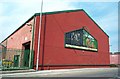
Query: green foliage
[113, 65]
[7, 63]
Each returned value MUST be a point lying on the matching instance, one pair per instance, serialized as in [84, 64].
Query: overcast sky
[13, 13]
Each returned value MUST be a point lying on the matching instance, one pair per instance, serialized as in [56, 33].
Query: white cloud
[14, 13]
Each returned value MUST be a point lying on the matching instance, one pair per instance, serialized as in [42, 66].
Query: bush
[113, 65]
[7, 63]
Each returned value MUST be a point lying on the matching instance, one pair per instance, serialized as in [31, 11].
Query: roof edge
[97, 24]
[18, 28]
[38, 14]
[54, 12]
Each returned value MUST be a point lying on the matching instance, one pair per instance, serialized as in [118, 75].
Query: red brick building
[68, 39]
[114, 58]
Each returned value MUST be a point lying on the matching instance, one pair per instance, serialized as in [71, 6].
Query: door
[16, 60]
[26, 56]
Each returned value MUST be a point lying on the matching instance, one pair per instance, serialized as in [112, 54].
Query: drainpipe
[32, 50]
[31, 46]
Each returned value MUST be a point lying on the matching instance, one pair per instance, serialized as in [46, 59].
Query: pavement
[56, 71]
[48, 71]
[17, 71]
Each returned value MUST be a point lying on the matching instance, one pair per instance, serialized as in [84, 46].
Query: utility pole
[39, 32]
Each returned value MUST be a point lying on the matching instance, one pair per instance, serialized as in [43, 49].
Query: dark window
[67, 39]
[80, 39]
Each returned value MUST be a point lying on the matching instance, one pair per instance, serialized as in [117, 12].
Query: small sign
[26, 38]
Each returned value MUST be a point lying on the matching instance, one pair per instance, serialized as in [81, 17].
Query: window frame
[80, 47]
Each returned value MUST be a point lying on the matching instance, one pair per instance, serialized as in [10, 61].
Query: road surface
[85, 72]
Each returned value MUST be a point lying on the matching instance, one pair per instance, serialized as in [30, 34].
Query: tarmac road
[85, 72]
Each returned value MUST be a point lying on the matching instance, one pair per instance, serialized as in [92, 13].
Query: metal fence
[13, 59]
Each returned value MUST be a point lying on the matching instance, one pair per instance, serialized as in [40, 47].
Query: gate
[16, 59]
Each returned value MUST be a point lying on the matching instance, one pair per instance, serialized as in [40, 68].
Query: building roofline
[2, 45]
[97, 25]
[18, 28]
[54, 12]
[115, 53]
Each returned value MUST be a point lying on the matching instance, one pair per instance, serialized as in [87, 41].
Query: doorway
[26, 47]
[16, 60]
